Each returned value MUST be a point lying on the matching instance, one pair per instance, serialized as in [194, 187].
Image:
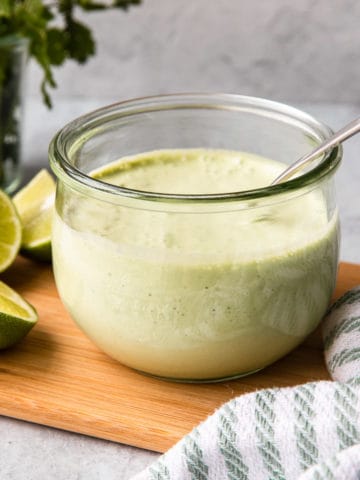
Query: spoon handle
[343, 134]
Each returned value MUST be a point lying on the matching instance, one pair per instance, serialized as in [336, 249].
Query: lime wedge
[17, 317]
[35, 203]
[10, 231]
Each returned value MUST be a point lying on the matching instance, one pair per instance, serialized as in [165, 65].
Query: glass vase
[13, 53]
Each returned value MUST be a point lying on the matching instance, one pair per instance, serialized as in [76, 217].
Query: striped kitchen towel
[309, 432]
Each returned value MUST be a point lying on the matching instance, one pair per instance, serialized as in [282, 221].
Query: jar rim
[71, 175]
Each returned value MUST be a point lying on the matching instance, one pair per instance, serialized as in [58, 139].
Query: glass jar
[13, 53]
[194, 287]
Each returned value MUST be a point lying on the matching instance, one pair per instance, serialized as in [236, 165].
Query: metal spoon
[338, 137]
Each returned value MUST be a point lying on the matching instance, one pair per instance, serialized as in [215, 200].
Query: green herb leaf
[5, 8]
[125, 3]
[89, 5]
[51, 44]
[80, 45]
[56, 46]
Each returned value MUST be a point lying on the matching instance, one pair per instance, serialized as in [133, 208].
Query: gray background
[289, 50]
[303, 52]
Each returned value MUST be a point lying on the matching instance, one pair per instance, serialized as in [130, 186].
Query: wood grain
[57, 377]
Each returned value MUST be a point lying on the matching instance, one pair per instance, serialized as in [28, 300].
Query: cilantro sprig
[54, 33]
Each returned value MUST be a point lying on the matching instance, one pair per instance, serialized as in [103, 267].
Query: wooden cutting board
[57, 377]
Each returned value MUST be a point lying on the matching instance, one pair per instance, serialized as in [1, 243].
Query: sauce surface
[193, 171]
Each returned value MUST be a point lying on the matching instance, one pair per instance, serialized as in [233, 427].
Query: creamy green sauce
[195, 295]
[196, 171]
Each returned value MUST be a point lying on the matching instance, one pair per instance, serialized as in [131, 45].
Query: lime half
[35, 203]
[10, 231]
[17, 317]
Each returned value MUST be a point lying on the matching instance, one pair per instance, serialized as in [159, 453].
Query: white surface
[33, 452]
